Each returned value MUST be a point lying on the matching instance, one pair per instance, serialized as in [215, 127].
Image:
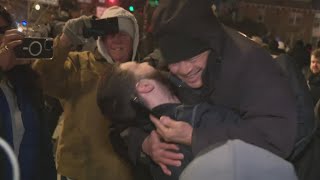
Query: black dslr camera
[35, 48]
[101, 27]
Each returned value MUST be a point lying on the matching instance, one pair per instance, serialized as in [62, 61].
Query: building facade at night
[286, 20]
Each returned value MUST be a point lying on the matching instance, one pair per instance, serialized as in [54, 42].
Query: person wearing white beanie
[110, 45]
[84, 150]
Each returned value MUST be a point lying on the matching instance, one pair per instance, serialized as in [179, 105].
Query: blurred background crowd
[278, 25]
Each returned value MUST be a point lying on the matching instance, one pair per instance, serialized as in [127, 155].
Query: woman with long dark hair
[22, 121]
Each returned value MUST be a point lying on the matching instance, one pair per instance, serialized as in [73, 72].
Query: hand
[172, 130]
[162, 153]
[10, 40]
[73, 30]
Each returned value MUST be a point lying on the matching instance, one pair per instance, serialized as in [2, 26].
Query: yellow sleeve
[61, 75]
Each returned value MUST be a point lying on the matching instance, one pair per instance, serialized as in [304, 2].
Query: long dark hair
[23, 77]
[8, 18]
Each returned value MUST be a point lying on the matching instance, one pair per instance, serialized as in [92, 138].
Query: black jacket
[199, 116]
[314, 86]
[240, 75]
[244, 78]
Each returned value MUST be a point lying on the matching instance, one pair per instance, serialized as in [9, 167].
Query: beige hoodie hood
[127, 23]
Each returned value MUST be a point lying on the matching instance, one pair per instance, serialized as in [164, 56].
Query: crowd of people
[208, 103]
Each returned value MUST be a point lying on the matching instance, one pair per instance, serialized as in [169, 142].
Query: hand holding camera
[14, 45]
[73, 29]
[9, 40]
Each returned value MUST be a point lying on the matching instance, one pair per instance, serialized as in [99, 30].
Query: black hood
[191, 18]
[195, 20]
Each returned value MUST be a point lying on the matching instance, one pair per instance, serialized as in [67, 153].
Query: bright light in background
[111, 2]
[24, 23]
[37, 7]
[20, 29]
[131, 8]
[154, 3]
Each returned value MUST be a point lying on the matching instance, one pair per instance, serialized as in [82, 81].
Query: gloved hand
[73, 29]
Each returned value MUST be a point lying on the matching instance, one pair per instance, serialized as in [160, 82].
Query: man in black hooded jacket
[210, 62]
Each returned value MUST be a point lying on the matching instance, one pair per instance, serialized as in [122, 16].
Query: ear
[144, 86]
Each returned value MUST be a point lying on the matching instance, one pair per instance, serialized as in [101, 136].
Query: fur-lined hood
[116, 11]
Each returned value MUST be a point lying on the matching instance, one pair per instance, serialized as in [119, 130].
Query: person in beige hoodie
[84, 151]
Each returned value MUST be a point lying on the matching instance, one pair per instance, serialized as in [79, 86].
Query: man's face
[149, 80]
[119, 46]
[190, 70]
[315, 65]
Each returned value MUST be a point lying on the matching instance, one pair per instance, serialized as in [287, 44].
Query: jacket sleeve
[262, 95]
[135, 140]
[61, 76]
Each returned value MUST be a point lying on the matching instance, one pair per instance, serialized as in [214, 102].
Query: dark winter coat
[314, 86]
[245, 78]
[240, 75]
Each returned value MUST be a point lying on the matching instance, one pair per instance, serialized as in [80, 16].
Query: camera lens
[48, 44]
[35, 48]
